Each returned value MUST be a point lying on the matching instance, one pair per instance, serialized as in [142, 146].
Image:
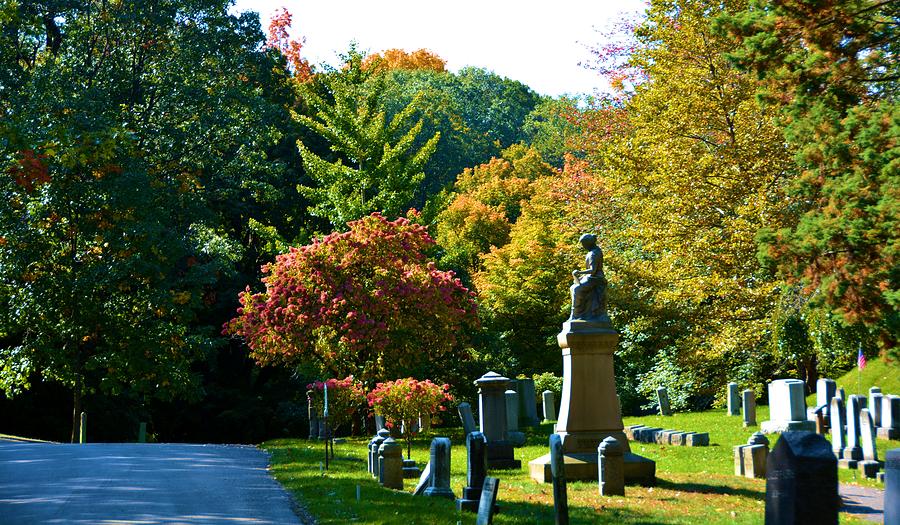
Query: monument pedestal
[590, 411]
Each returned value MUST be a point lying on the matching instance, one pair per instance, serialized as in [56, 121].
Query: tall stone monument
[589, 411]
[492, 417]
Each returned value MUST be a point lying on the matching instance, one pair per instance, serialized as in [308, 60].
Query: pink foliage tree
[365, 302]
[404, 401]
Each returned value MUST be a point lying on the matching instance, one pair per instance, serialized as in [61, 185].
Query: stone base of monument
[852, 453]
[777, 427]
[888, 433]
[500, 456]
[410, 470]
[847, 463]
[583, 467]
[869, 469]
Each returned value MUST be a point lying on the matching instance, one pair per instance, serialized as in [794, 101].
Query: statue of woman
[589, 290]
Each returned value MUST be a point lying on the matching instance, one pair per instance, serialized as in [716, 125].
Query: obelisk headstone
[870, 465]
[853, 451]
[492, 417]
[838, 416]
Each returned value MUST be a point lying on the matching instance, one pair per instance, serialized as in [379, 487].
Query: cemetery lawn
[694, 485]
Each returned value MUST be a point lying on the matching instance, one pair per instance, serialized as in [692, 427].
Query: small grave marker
[488, 501]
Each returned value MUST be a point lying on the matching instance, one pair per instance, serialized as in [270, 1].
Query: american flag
[860, 359]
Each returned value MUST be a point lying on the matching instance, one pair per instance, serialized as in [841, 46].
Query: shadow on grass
[331, 497]
[703, 488]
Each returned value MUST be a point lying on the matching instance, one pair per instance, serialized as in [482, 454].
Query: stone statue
[589, 290]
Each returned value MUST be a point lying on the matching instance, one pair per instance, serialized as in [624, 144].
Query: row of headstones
[385, 461]
[660, 436]
[855, 447]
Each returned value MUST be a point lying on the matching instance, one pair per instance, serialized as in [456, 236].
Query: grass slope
[877, 372]
[695, 485]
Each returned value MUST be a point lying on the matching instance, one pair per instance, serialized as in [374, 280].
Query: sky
[538, 43]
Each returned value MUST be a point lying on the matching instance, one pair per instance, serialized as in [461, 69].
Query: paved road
[863, 502]
[105, 484]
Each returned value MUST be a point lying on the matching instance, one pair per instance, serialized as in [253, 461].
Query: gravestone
[838, 417]
[492, 417]
[527, 403]
[512, 419]
[853, 452]
[487, 505]
[424, 480]
[611, 466]
[825, 392]
[870, 465]
[890, 417]
[892, 487]
[440, 469]
[558, 469]
[390, 460]
[465, 415]
[874, 407]
[748, 404]
[734, 403]
[376, 449]
[379, 422]
[549, 399]
[787, 407]
[425, 422]
[662, 399]
[843, 395]
[476, 471]
[697, 439]
[801, 481]
[756, 455]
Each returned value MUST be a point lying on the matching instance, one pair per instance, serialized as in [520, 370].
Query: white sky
[537, 43]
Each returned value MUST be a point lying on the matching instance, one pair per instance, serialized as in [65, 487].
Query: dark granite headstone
[476, 471]
[558, 469]
[892, 487]
[487, 504]
[801, 481]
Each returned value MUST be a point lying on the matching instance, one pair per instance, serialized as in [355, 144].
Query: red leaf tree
[365, 302]
[404, 401]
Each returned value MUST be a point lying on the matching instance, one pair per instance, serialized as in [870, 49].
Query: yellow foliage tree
[392, 59]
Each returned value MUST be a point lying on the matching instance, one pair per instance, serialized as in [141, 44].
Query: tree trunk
[76, 412]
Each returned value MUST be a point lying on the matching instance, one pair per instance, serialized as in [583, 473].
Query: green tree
[484, 202]
[122, 188]
[376, 166]
[833, 68]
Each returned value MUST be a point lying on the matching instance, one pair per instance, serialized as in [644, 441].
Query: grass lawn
[695, 485]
